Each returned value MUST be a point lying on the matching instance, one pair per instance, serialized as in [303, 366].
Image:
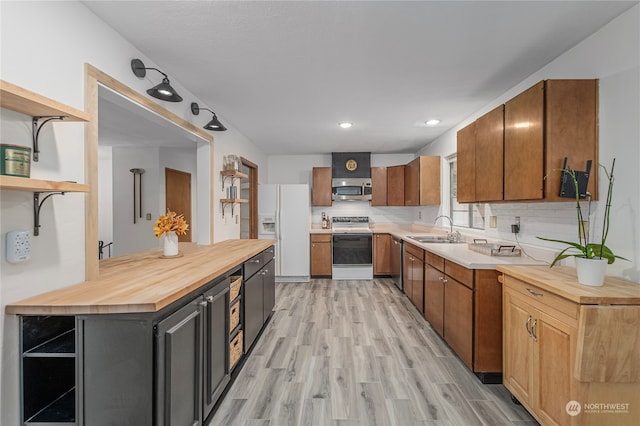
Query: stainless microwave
[351, 189]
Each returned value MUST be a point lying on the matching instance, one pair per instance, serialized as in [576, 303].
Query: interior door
[178, 196]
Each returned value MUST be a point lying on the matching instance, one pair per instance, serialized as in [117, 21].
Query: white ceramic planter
[591, 271]
[170, 244]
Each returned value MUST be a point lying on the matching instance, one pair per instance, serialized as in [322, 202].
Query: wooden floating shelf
[233, 174]
[233, 200]
[39, 185]
[26, 102]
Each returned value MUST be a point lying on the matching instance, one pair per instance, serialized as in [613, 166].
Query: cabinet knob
[203, 303]
[209, 298]
[265, 272]
[255, 261]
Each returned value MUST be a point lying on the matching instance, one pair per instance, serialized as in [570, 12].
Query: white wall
[44, 46]
[613, 56]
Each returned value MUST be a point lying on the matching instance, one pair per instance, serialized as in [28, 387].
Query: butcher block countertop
[563, 281]
[143, 281]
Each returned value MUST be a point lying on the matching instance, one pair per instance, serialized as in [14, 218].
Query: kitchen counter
[458, 253]
[143, 281]
[563, 281]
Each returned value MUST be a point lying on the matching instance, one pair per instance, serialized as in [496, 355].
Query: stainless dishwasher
[397, 246]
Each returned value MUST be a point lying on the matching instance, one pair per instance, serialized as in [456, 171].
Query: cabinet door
[395, 186]
[216, 347]
[320, 255]
[179, 367]
[417, 283]
[552, 368]
[517, 346]
[466, 156]
[321, 186]
[269, 290]
[253, 309]
[458, 319]
[382, 254]
[489, 155]
[407, 273]
[571, 130]
[524, 145]
[379, 186]
[412, 183]
[434, 298]
[487, 322]
[429, 181]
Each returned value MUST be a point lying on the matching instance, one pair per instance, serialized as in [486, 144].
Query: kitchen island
[571, 352]
[151, 341]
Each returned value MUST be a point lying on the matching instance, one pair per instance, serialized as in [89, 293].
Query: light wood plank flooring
[357, 353]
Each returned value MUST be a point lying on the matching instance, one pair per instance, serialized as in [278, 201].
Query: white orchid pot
[591, 271]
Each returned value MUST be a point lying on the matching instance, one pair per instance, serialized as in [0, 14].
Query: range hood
[345, 165]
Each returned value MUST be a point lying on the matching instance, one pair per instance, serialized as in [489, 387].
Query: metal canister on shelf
[15, 160]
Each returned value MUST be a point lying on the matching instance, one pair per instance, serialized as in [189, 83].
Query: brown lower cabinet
[382, 254]
[464, 306]
[413, 277]
[320, 255]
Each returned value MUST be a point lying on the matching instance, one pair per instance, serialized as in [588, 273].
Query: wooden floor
[357, 353]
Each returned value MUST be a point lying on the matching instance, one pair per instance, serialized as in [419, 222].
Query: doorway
[249, 191]
[178, 197]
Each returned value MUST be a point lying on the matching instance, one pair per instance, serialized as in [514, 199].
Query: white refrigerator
[284, 214]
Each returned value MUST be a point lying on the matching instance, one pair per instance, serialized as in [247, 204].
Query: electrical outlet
[515, 228]
[419, 214]
[18, 246]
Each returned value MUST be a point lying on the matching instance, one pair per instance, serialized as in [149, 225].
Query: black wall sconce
[162, 91]
[214, 124]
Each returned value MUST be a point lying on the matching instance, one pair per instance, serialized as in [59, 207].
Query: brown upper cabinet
[321, 186]
[422, 181]
[378, 186]
[395, 185]
[506, 153]
[548, 122]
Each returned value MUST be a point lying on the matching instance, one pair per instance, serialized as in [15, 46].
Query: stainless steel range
[352, 248]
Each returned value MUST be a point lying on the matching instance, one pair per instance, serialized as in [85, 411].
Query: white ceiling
[284, 73]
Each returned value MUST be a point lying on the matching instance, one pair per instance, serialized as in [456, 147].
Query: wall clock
[351, 165]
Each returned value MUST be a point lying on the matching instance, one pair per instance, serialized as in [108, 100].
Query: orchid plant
[584, 248]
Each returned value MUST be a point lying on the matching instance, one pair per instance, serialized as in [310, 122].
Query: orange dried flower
[170, 222]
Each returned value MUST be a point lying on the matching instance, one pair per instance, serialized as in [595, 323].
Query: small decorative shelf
[38, 107]
[232, 202]
[39, 185]
[232, 174]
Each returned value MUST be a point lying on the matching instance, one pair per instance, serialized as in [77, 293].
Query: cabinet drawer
[234, 289]
[459, 273]
[252, 266]
[320, 238]
[434, 260]
[414, 251]
[235, 350]
[234, 316]
[536, 295]
[267, 255]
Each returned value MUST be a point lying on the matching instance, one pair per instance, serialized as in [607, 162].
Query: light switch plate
[18, 246]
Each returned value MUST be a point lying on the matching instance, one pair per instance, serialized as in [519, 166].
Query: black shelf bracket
[37, 205]
[224, 204]
[35, 130]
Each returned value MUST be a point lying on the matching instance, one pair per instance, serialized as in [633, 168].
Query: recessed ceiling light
[432, 122]
[345, 124]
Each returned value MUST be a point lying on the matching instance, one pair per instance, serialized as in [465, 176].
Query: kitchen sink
[428, 239]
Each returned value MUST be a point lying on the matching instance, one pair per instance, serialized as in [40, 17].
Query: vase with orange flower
[168, 227]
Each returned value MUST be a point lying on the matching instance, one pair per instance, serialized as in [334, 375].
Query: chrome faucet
[452, 237]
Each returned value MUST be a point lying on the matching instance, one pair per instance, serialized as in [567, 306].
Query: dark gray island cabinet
[134, 365]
